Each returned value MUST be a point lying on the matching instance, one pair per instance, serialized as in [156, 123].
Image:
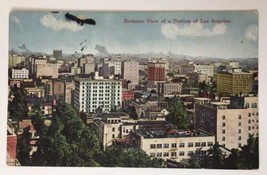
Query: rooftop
[173, 134]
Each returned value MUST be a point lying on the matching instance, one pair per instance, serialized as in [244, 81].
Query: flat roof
[173, 134]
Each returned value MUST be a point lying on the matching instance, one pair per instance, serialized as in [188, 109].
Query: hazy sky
[180, 32]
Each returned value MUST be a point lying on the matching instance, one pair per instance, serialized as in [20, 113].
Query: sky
[221, 34]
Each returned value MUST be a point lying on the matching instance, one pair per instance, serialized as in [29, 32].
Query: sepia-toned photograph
[140, 89]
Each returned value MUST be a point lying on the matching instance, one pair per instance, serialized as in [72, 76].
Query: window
[239, 130]
[239, 137]
[223, 131]
[159, 145]
[190, 153]
[197, 144]
[113, 129]
[203, 143]
[239, 123]
[190, 144]
[174, 145]
[181, 145]
[173, 154]
[249, 128]
[223, 138]
[210, 143]
[223, 124]
[239, 117]
[181, 153]
[152, 146]
[223, 117]
[165, 154]
[249, 114]
[159, 154]
[239, 144]
[249, 121]
[113, 136]
[166, 145]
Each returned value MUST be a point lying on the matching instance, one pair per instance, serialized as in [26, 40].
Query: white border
[130, 5]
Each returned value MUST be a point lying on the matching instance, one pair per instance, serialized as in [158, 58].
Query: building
[108, 68]
[57, 54]
[11, 149]
[156, 71]
[173, 144]
[234, 83]
[205, 69]
[169, 88]
[127, 94]
[186, 68]
[195, 78]
[90, 94]
[130, 71]
[16, 60]
[59, 89]
[231, 123]
[22, 73]
[46, 70]
[109, 127]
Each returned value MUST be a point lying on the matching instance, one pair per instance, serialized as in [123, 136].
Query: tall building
[234, 83]
[47, 70]
[108, 68]
[232, 123]
[156, 71]
[130, 71]
[57, 54]
[16, 60]
[90, 94]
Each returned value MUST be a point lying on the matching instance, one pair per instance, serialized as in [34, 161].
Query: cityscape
[133, 89]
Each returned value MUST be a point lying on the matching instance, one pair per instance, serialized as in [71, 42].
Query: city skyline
[193, 33]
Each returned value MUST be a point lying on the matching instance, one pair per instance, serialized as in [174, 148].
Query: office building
[22, 73]
[156, 71]
[90, 94]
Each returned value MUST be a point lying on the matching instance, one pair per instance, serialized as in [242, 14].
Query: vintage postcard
[133, 89]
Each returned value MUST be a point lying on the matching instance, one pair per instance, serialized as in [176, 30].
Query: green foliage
[118, 157]
[67, 141]
[177, 114]
[132, 112]
[17, 105]
[217, 156]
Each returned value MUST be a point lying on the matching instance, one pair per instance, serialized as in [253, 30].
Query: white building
[20, 73]
[174, 145]
[90, 94]
[231, 123]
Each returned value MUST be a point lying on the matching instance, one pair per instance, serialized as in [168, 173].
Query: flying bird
[54, 11]
[79, 20]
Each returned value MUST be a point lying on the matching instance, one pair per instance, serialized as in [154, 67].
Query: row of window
[174, 154]
[240, 116]
[181, 145]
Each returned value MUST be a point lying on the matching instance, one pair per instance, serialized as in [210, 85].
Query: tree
[132, 112]
[177, 114]
[231, 162]
[115, 156]
[17, 106]
[249, 154]
[217, 156]
[67, 141]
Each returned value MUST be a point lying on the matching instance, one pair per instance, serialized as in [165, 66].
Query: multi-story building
[234, 83]
[47, 70]
[232, 123]
[90, 94]
[130, 71]
[205, 69]
[156, 71]
[186, 68]
[57, 54]
[16, 61]
[173, 144]
[20, 73]
[195, 78]
[11, 150]
[169, 88]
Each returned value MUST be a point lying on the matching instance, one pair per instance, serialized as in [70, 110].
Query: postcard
[162, 90]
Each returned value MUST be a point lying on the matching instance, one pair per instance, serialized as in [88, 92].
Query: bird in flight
[80, 21]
